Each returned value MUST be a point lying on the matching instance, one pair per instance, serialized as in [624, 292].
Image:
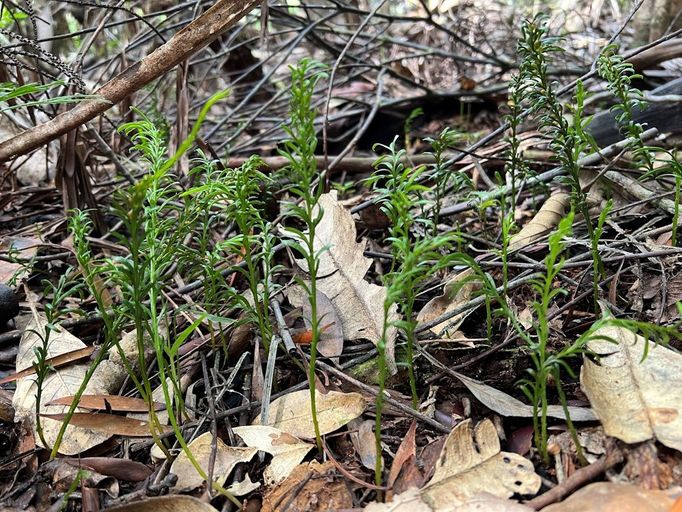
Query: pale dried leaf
[471, 462]
[341, 277]
[409, 501]
[545, 220]
[413, 501]
[244, 487]
[174, 503]
[288, 451]
[507, 405]
[614, 497]
[226, 458]
[456, 292]
[634, 399]
[65, 381]
[291, 413]
[364, 442]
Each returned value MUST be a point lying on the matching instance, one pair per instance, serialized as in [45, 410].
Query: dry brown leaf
[288, 451]
[471, 462]
[456, 292]
[55, 362]
[545, 220]
[507, 405]
[175, 503]
[109, 402]
[413, 501]
[226, 458]
[343, 266]
[634, 398]
[614, 497]
[122, 469]
[407, 449]
[330, 343]
[310, 487]
[291, 413]
[244, 487]
[106, 424]
[364, 442]
[66, 381]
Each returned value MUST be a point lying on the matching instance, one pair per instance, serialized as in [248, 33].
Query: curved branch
[199, 33]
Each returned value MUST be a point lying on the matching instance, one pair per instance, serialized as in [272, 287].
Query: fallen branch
[591, 159]
[197, 34]
[576, 480]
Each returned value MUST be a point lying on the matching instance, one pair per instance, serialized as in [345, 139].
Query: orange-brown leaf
[109, 402]
[108, 423]
[55, 362]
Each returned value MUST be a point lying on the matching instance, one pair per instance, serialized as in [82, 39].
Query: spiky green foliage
[441, 175]
[619, 75]
[236, 194]
[567, 140]
[417, 253]
[155, 227]
[299, 150]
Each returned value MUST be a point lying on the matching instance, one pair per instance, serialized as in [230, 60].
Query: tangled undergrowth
[214, 228]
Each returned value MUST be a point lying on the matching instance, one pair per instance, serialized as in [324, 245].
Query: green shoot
[299, 150]
[415, 258]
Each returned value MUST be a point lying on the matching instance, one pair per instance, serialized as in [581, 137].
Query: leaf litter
[632, 397]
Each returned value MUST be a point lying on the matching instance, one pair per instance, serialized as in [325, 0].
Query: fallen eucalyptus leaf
[226, 458]
[634, 397]
[545, 220]
[330, 343]
[291, 413]
[174, 503]
[456, 292]
[507, 405]
[287, 451]
[471, 462]
[343, 265]
[614, 497]
[65, 381]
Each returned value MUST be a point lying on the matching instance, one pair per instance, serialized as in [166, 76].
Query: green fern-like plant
[299, 150]
[417, 253]
[567, 140]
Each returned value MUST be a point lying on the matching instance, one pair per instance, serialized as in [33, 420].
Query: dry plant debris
[373, 275]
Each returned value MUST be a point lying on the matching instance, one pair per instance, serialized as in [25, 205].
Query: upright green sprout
[299, 150]
[567, 140]
[416, 256]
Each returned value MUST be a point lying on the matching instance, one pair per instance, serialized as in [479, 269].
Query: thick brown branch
[185, 43]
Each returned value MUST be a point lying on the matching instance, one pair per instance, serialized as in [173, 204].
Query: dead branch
[199, 33]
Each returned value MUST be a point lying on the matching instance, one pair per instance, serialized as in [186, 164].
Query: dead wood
[199, 33]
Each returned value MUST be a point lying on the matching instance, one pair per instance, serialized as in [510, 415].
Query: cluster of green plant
[567, 139]
[11, 92]
[234, 195]
[164, 227]
[299, 150]
[441, 175]
[155, 228]
[418, 252]
[619, 75]
[55, 310]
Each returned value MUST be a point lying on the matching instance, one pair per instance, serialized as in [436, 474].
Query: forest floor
[391, 204]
